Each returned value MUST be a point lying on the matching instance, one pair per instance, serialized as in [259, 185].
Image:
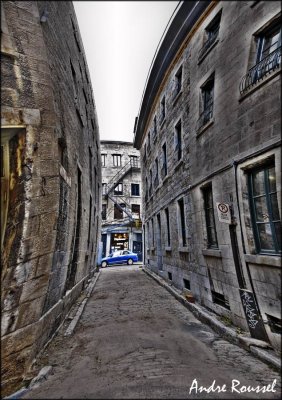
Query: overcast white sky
[120, 39]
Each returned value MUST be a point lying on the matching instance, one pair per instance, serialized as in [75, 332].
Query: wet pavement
[135, 340]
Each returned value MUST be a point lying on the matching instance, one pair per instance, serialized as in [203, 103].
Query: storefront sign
[223, 212]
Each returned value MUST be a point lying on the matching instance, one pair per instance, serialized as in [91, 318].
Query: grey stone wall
[49, 126]
[243, 133]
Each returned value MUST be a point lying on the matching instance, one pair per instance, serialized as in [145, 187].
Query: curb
[72, 325]
[254, 346]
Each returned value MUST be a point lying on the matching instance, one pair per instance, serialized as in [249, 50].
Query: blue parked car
[119, 257]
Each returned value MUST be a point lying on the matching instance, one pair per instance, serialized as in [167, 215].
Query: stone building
[208, 132]
[50, 177]
[121, 198]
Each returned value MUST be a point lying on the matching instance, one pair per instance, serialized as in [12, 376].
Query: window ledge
[274, 261]
[179, 162]
[259, 84]
[207, 52]
[212, 253]
[175, 99]
[168, 248]
[205, 127]
[183, 249]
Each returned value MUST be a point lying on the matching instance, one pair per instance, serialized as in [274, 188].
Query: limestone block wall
[52, 177]
[243, 133]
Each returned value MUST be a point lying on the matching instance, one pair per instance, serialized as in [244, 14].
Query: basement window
[186, 284]
[274, 324]
[219, 299]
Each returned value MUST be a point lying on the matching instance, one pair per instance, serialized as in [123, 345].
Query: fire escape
[131, 166]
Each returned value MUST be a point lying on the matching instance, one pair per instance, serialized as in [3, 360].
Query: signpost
[223, 212]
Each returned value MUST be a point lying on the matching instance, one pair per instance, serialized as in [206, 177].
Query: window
[207, 92]
[164, 166]
[146, 189]
[116, 160]
[264, 210]
[134, 161]
[211, 34]
[209, 214]
[178, 141]
[104, 188]
[182, 224]
[149, 142]
[155, 127]
[90, 165]
[104, 211]
[118, 211]
[162, 116]
[167, 226]
[135, 208]
[135, 189]
[268, 55]
[118, 189]
[103, 158]
[268, 51]
[156, 181]
[178, 81]
[153, 232]
[151, 182]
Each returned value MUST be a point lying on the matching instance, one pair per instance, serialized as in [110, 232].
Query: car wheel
[130, 261]
[104, 264]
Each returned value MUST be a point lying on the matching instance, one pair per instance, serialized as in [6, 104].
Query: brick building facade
[121, 201]
[50, 177]
[208, 132]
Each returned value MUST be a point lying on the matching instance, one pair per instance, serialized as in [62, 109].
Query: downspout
[259, 332]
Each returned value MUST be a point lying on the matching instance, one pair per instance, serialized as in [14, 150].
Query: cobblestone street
[135, 340]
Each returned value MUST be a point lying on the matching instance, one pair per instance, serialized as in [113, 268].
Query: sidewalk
[259, 348]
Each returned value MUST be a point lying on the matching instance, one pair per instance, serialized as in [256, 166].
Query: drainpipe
[248, 298]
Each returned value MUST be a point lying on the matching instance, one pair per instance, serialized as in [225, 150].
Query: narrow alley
[135, 340]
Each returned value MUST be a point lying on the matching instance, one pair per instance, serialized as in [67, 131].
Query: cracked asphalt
[135, 340]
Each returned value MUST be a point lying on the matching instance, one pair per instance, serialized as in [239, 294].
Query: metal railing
[132, 163]
[209, 42]
[260, 70]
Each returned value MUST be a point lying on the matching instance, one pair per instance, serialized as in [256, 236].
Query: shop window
[265, 214]
[210, 221]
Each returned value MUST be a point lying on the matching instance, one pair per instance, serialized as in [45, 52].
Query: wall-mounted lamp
[44, 16]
